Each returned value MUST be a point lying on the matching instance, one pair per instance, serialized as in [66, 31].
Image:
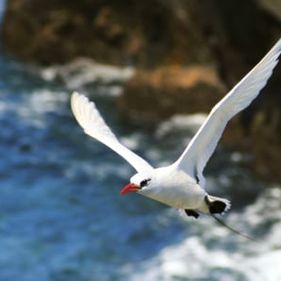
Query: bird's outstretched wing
[93, 124]
[203, 144]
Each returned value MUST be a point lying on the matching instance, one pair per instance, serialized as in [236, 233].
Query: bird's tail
[217, 205]
[233, 229]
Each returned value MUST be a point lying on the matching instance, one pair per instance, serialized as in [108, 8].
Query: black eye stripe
[144, 182]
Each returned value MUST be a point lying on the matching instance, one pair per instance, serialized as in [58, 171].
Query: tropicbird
[182, 185]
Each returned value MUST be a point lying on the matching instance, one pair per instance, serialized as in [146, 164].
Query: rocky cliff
[186, 52]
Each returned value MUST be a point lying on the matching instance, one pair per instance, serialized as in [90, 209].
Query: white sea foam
[5, 106]
[38, 104]
[83, 71]
[108, 90]
[35, 106]
[132, 142]
[98, 172]
[195, 258]
[190, 121]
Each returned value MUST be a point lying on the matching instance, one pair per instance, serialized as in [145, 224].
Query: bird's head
[140, 183]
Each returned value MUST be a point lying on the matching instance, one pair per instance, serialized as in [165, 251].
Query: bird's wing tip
[75, 96]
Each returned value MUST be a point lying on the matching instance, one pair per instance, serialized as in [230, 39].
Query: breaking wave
[83, 71]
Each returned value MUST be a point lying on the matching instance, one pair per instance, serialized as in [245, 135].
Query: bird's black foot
[192, 213]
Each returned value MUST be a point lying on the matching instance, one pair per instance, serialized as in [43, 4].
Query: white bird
[182, 184]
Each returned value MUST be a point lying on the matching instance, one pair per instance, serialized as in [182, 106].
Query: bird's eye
[144, 182]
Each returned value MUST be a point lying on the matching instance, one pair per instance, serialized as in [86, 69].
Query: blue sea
[61, 215]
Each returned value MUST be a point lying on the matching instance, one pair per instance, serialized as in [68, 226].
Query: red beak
[131, 187]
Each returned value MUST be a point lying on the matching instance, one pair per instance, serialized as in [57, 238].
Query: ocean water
[61, 215]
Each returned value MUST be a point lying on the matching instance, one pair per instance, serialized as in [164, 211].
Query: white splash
[35, 106]
[190, 121]
[83, 71]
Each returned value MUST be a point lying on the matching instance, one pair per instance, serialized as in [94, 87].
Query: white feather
[93, 124]
[203, 144]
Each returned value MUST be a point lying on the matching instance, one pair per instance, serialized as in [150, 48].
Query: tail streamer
[221, 222]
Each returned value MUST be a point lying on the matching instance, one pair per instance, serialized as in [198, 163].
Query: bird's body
[182, 184]
[175, 188]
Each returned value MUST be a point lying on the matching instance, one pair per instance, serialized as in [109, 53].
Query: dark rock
[272, 6]
[119, 32]
[187, 53]
[160, 93]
